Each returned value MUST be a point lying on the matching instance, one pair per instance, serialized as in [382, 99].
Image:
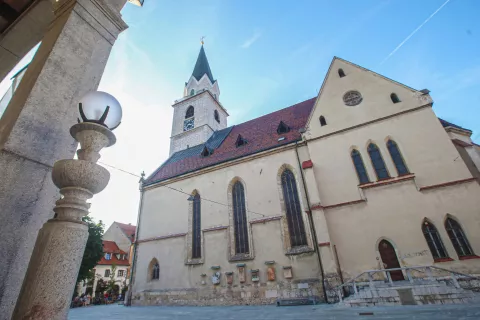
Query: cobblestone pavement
[430, 312]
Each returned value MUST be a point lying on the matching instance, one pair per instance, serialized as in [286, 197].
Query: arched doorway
[390, 260]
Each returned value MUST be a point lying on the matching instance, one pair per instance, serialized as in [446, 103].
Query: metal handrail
[424, 269]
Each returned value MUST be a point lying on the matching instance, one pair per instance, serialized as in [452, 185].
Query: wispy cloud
[414, 31]
[256, 35]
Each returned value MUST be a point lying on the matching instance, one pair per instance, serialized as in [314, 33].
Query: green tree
[93, 251]
[111, 285]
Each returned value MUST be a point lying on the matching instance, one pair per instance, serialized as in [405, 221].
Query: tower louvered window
[377, 162]
[434, 241]
[196, 232]
[397, 158]
[458, 238]
[296, 226]
[190, 112]
[359, 167]
[240, 219]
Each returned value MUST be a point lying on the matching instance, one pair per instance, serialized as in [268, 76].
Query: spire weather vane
[202, 40]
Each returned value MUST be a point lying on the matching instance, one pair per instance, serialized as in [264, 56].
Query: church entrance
[390, 260]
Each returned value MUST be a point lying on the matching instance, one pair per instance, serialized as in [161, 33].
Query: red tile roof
[128, 229]
[260, 134]
[112, 248]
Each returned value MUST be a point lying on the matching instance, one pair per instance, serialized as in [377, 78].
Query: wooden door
[390, 260]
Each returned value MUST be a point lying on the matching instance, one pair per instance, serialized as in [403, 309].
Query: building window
[190, 112]
[156, 271]
[341, 74]
[359, 167]
[196, 226]
[206, 151]
[240, 141]
[216, 116]
[434, 241]
[323, 122]
[240, 219]
[121, 273]
[107, 273]
[352, 98]
[394, 98]
[458, 238]
[296, 227]
[397, 158]
[377, 162]
[282, 128]
[192, 92]
[108, 256]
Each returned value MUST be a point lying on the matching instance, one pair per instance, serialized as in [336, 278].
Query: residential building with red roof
[290, 204]
[115, 260]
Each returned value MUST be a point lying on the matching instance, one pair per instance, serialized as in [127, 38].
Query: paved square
[430, 312]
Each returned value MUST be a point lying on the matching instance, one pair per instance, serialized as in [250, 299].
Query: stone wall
[248, 294]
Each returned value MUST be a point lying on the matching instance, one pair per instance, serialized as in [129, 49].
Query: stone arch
[231, 229]
[152, 272]
[287, 244]
[397, 253]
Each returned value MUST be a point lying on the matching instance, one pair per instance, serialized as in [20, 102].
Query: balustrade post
[428, 271]
[370, 280]
[409, 275]
[455, 281]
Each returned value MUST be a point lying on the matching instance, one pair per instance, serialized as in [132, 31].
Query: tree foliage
[112, 286]
[93, 251]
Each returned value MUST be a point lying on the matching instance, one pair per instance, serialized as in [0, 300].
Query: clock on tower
[188, 124]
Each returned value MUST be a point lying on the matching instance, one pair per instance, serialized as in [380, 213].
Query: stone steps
[406, 293]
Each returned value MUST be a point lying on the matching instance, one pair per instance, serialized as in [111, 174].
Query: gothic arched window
[377, 162]
[458, 238]
[434, 241]
[296, 226]
[341, 74]
[153, 270]
[196, 225]
[323, 122]
[216, 116]
[397, 158]
[240, 219]
[394, 98]
[190, 112]
[359, 167]
[192, 92]
[156, 271]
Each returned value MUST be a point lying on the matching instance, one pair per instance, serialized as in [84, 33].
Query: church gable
[352, 95]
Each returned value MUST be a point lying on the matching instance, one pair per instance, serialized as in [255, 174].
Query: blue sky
[267, 55]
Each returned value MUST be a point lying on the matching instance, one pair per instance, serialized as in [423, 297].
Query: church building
[363, 176]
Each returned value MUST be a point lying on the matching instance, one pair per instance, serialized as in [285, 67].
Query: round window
[352, 98]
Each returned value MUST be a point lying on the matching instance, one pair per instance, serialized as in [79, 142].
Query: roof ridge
[268, 114]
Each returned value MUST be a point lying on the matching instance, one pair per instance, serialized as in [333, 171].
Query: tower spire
[202, 67]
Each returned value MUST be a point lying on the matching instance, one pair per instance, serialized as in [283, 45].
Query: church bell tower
[199, 112]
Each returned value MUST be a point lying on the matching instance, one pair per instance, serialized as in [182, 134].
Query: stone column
[52, 273]
[34, 128]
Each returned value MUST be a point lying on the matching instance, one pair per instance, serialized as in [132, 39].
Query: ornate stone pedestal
[52, 273]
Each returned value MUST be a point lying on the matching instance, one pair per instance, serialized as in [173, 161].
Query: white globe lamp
[101, 108]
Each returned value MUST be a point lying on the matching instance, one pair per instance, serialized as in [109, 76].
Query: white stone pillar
[34, 127]
[53, 269]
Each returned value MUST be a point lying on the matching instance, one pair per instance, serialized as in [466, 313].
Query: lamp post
[52, 273]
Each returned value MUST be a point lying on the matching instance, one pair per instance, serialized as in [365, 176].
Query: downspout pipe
[312, 225]
[128, 301]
